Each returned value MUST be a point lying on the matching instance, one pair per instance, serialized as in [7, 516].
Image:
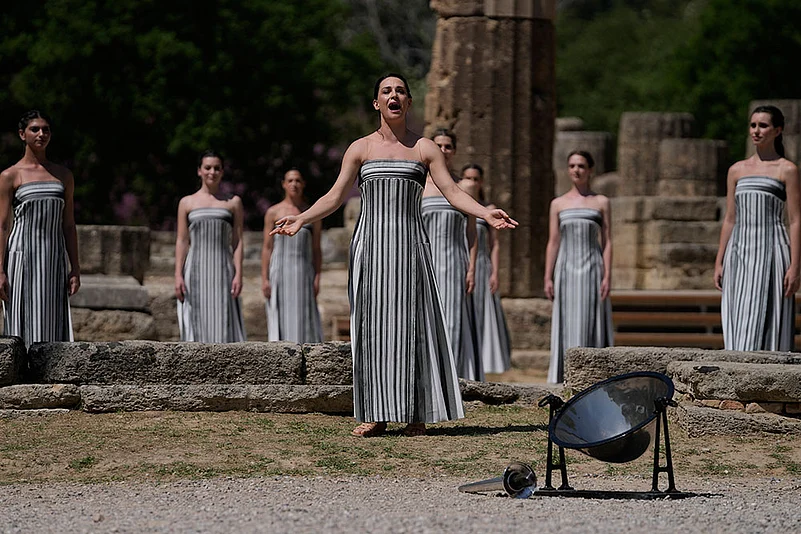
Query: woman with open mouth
[403, 368]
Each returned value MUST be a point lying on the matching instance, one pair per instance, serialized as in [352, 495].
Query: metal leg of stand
[554, 404]
[662, 421]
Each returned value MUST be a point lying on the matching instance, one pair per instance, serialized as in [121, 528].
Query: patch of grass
[340, 464]
[83, 463]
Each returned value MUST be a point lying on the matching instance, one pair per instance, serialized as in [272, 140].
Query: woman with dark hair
[757, 266]
[40, 254]
[578, 266]
[453, 236]
[492, 335]
[208, 259]
[290, 270]
[403, 369]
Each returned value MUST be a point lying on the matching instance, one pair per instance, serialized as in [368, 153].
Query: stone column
[492, 82]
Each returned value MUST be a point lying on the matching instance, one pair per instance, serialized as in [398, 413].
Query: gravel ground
[374, 504]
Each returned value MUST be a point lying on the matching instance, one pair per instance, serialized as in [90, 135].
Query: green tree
[744, 50]
[137, 87]
[616, 55]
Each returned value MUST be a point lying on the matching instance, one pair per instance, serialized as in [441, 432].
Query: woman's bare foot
[415, 429]
[369, 430]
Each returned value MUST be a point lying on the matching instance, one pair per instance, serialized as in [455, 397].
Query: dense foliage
[136, 88]
[708, 57]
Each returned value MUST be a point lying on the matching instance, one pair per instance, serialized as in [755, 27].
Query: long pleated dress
[403, 369]
[754, 312]
[292, 313]
[209, 313]
[447, 229]
[580, 317]
[37, 266]
[492, 335]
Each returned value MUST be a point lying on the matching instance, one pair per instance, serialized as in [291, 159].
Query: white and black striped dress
[492, 335]
[209, 313]
[580, 317]
[754, 312]
[447, 229]
[292, 313]
[403, 369]
[37, 266]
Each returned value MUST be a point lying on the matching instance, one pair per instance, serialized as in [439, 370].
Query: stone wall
[143, 375]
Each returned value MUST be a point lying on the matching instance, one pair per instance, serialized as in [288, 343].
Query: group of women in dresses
[209, 257]
[462, 250]
[407, 332]
[757, 268]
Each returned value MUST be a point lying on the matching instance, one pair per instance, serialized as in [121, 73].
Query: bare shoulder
[186, 203]
[272, 213]
[9, 176]
[738, 169]
[557, 203]
[235, 203]
[789, 170]
[603, 201]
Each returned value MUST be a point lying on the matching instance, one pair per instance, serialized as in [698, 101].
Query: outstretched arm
[432, 156]
[328, 203]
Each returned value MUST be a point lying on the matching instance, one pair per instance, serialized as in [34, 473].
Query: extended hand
[289, 225]
[499, 220]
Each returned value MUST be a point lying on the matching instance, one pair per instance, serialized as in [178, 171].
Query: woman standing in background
[452, 235]
[492, 335]
[578, 266]
[208, 259]
[290, 269]
[757, 266]
[40, 255]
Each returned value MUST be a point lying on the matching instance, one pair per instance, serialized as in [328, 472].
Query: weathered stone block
[328, 363]
[697, 422]
[147, 362]
[114, 250]
[39, 396]
[531, 359]
[764, 407]
[569, 124]
[732, 405]
[218, 398]
[497, 393]
[709, 403]
[112, 325]
[529, 323]
[743, 382]
[584, 366]
[639, 137]
[685, 277]
[12, 360]
[110, 292]
[692, 167]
